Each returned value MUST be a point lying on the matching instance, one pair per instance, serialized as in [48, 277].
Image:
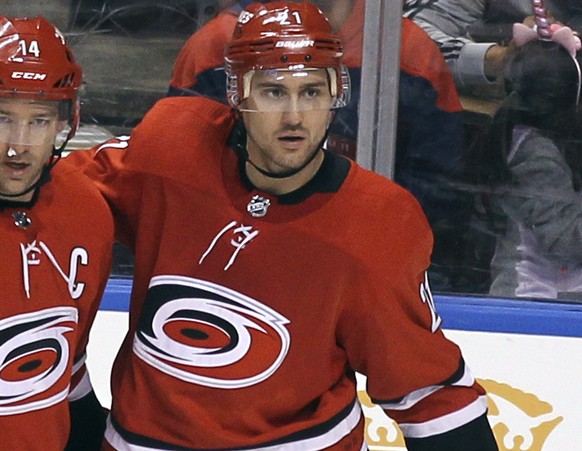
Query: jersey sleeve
[128, 171]
[91, 276]
[92, 230]
[392, 334]
[105, 166]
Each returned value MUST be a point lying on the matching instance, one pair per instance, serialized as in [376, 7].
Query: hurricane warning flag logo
[209, 335]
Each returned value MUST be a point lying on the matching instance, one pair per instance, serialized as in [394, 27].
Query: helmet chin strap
[291, 172]
[44, 175]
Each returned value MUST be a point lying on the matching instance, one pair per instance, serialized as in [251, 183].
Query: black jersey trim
[140, 440]
[297, 437]
[7, 203]
[455, 377]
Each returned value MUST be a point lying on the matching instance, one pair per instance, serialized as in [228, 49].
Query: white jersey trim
[119, 142]
[82, 389]
[77, 366]
[329, 438]
[410, 400]
[447, 422]
[38, 405]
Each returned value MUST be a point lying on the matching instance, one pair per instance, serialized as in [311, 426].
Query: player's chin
[283, 166]
[13, 188]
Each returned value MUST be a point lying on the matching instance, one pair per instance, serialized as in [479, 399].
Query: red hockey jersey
[250, 313]
[56, 257]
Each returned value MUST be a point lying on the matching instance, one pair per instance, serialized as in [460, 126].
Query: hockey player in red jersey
[429, 131]
[269, 270]
[56, 240]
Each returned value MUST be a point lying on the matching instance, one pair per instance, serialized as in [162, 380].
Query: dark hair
[542, 82]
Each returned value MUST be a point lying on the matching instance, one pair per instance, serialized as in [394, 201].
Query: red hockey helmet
[35, 62]
[284, 36]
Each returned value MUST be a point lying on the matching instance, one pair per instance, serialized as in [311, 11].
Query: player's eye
[312, 93]
[274, 93]
[41, 122]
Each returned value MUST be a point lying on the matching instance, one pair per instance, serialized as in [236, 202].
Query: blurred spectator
[429, 132]
[530, 163]
[475, 35]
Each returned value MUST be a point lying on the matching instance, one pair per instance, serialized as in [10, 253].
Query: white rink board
[532, 381]
[106, 336]
[542, 396]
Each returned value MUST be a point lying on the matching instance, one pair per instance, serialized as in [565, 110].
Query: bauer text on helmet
[284, 37]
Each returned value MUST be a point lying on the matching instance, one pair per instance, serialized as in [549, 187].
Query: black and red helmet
[36, 62]
[285, 36]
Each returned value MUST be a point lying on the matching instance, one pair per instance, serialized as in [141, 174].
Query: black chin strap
[45, 175]
[242, 148]
[291, 172]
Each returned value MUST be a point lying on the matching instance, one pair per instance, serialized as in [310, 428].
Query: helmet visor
[288, 90]
[30, 122]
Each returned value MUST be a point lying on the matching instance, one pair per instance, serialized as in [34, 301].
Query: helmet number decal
[27, 49]
[296, 16]
[245, 16]
[284, 18]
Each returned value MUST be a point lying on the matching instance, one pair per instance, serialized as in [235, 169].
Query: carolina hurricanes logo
[207, 334]
[34, 357]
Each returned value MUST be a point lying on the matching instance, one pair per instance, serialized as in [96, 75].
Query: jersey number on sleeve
[426, 296]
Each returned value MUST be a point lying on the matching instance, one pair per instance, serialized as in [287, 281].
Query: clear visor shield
[289, 90]
[26, 122]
